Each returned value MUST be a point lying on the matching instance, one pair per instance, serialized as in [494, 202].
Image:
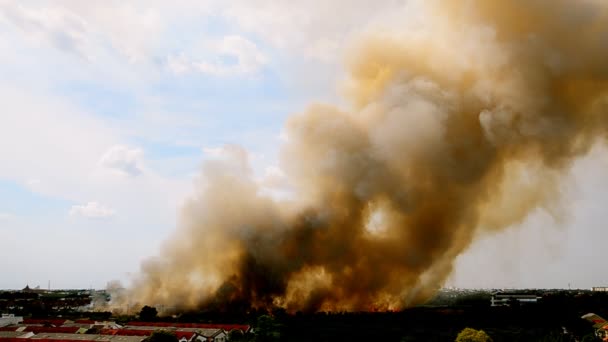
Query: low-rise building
[50, 337]
[8, 319]
[208, 335]
[15, 334]
[185, 336]
[510, 298]
[186, 326]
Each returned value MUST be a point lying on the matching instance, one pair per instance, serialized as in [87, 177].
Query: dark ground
[439, 320]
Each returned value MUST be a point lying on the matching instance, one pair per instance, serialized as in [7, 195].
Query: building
[508, 299]
[600, 289]
[10, 319]
[58, 330]
[50, 337]
[61, 330]
[208, 335]
[185, 336]
[186, 326]
[42, 322]
[185, 332]
[15, 334]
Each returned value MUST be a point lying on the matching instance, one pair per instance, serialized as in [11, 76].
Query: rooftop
[54, 337]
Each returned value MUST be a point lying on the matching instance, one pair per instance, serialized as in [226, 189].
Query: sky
[109, 109]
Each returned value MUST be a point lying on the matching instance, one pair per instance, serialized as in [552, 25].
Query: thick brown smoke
[462, 126]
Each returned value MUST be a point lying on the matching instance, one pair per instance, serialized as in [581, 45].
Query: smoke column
[463, 126]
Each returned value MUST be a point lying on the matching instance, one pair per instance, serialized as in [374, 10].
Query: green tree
[148, 314]
[472, 335]
[162, 336]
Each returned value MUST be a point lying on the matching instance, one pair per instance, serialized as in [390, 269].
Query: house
[208, 335]
[8, 319]
[204, 331]
[59, 330]
[182, 336]
[185, 336]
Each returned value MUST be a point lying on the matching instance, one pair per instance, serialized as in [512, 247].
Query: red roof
[126, 332]
[84, 321]
[12, 339]
[62, 330]
[136, 332]
[55, 322]
[226, 327]
[52, 340]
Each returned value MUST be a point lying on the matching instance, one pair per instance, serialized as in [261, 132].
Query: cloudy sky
[109, 108]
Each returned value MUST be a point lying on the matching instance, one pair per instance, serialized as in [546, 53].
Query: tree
[236, 336]
[590, 338]
[148, 314]
[162, 336]
[555, 337]
[472, 335]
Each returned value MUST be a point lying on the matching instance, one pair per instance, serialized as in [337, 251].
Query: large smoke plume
[462, 126]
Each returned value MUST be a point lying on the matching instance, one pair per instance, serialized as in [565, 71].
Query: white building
[600, 289]
[506, 299]
[10, 319]
[215, 335]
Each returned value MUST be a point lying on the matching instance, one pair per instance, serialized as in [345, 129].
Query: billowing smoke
[461, 126]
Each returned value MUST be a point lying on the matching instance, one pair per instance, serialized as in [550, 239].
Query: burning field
[463, 126]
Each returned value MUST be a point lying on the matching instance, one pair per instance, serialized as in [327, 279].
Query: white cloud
[90, 29]
[213, 151]
[6, 216]
[56, 26]
[234, 55]
[32, 182]
[53, 148]
[229, 152]
[315, 29]
[49, 139]
[131, 30]
[125, 160]
[93, 210]
[179, 64]
[283, 136]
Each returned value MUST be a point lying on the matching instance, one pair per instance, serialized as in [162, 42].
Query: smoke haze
[462, 126]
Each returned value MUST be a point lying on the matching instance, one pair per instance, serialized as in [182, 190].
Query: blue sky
[110, 108]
